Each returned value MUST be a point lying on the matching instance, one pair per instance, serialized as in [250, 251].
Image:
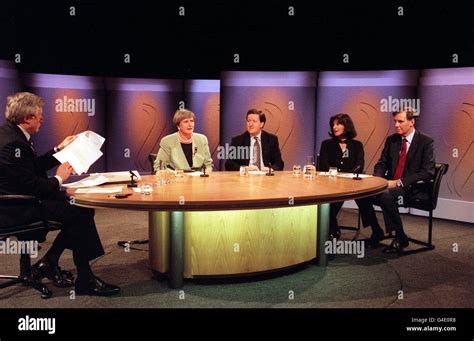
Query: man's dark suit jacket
[420, 162]
[21, 172]
[331, 155]
[270, 151]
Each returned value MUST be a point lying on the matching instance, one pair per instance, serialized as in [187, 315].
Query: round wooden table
[223, 191]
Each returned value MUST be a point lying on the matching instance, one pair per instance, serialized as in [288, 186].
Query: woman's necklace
[182, 140]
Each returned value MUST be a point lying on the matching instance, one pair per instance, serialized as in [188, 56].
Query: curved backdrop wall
[139, 115]
[73, 104]
[362, 96]
[203, 98]
[134, 114]
[286, 98]
[9, 84]
[447, 98]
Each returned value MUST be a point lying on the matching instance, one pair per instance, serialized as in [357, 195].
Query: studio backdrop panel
[9, 84]
[202, 98]
[139, 114]
[73, 104]
[368, 97]
[286, 98]
[447, 114]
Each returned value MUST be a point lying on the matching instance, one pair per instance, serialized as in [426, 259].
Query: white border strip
[454, 76]
[143, 84]
[46, 80]
[269, 79]
[202, 85]
[369, 78]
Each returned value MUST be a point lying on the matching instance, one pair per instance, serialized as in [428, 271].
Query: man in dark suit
[407, 157]
[260, 148]
[23, 172]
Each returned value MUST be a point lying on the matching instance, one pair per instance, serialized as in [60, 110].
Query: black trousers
[365, 208]
[388, 201]
[79, 232]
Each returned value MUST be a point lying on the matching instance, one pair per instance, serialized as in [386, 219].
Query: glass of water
[146, 188]
[179, 173]
[332, 171]
[296, 170]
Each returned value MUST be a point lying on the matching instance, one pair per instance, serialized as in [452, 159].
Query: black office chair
[35, 230]
[424, 196]
[152, 158]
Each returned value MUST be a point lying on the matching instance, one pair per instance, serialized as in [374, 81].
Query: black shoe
[95, 287]
[397, 246]
[43, 268]
[374, 241]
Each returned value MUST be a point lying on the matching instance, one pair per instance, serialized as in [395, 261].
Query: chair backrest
[32, 227]
[424, 196]
[152, 158]
[440, 170]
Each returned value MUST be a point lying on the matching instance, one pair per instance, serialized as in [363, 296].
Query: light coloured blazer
[172, 153]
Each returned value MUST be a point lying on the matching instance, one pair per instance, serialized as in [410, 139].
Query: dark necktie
[31, 146]
[256, 150]
[401, 160]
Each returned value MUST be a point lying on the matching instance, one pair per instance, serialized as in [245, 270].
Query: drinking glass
[146, 188]
[296, 170]
[332, 171]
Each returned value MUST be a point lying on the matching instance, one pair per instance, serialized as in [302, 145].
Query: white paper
[193, 173]
[102, 178]
[349, 175]
[82, 152]
[117, 189]
[256, 172]
[94, 138]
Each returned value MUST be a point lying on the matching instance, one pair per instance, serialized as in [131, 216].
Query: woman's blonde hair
[181, 114]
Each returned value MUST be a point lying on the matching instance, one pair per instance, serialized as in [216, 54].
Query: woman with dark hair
[343, 152]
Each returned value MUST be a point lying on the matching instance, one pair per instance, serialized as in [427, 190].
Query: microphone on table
[270, 170]
[132, 183]
[203, 175]
[356, 171]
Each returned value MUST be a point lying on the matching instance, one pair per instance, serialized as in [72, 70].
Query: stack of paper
[103, 178]
[99, 190]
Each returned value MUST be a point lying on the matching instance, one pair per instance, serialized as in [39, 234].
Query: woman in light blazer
[184, 149]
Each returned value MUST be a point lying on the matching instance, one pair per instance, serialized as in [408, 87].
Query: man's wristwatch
[399, 183]
[56, 149]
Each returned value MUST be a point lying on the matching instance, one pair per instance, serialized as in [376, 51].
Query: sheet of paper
[94, 138]
[90, 181]
[193, 173]
[103, 178]
[345, 175]
[350, 175]
[82, 152]
[256, 173]
[117, 189]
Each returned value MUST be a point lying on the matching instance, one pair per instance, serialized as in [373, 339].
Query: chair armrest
[17, 199]
[419, 182]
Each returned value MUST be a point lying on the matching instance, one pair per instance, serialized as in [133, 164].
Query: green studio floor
[436, 279]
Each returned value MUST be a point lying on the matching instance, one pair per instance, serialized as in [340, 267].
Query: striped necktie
[256, 151]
